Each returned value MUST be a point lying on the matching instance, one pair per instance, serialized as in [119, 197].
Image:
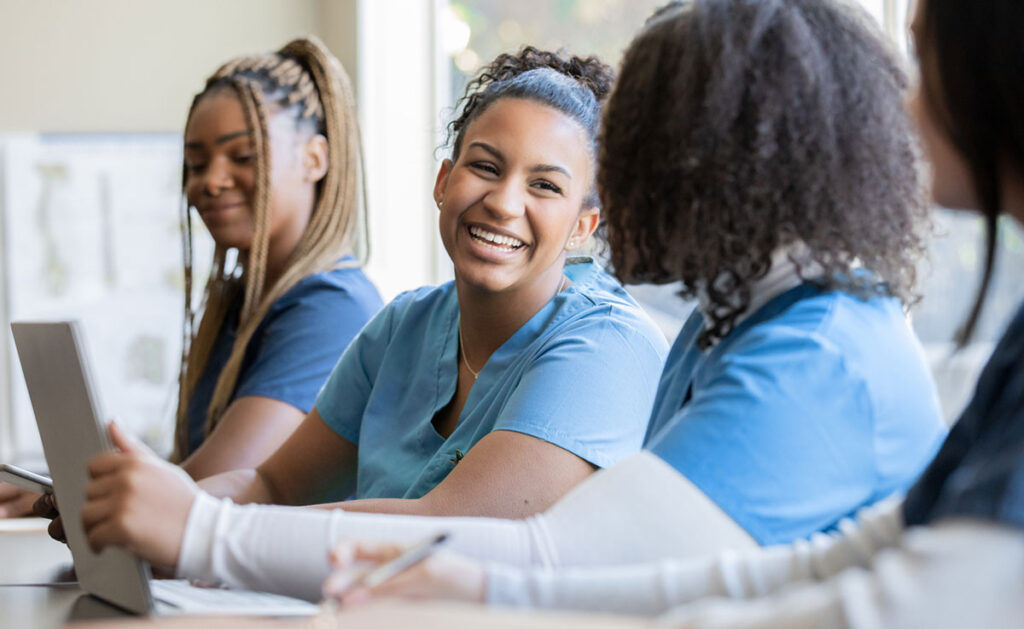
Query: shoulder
[829, 350]
[829, 323]
[597, 304]
[828, 345]
[419, 302]
[414, 312]
[346, 288]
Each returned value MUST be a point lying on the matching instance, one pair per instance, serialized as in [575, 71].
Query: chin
[484, 281]
[958, 196]
[241, 242]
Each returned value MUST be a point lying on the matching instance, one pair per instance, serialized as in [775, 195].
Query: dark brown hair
[304, 79]
[575, 86]
[738, 127]
[972, 57]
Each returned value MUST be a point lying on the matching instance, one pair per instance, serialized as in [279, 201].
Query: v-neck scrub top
[581, 374]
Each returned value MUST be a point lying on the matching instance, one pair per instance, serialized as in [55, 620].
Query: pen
[403, 562]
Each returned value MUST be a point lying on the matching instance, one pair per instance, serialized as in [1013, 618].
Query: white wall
[133, 65]
[128, 65]
[122, 66]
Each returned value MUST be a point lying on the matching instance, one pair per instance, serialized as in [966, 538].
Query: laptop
[67, 412]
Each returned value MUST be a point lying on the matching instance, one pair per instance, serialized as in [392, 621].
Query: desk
[28, 555]
[36, 593]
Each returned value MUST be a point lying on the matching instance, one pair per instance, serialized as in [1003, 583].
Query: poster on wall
[91, 231]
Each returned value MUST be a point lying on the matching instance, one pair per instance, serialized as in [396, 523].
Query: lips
[220, 207]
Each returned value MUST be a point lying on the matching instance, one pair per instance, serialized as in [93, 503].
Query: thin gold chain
[462, 350]
[462, 346]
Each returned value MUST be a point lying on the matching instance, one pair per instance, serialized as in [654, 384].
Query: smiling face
[511, 203]
[220, 171]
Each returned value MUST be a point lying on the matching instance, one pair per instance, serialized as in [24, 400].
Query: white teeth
[497, 239]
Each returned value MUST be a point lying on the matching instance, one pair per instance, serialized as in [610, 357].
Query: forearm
[397, 506]
[956, 573]
[241, 486]
[285, 549]
[654, 587]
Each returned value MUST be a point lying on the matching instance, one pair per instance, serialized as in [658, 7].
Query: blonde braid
[314, 80]
[255, 263]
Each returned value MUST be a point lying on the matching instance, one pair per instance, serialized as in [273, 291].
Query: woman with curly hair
[952, 553]
[491, 395]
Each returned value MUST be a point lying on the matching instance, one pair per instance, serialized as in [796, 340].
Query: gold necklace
[462, 350]
[462, 346]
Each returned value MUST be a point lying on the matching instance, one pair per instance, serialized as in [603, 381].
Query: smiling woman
[491, 395]
[271, 164]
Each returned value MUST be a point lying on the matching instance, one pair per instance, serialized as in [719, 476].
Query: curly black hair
[739, 127]
[575, 86]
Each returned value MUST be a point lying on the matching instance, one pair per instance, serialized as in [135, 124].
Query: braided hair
[575, 86]
[305, 79]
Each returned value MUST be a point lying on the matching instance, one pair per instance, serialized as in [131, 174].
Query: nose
[506, 200]
[217, 177]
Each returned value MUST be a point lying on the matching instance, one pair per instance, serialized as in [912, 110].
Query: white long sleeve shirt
[874, 574]
[638, 510]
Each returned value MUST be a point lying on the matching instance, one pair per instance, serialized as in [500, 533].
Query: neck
[781, 276]
[281, 247]
[488, 319]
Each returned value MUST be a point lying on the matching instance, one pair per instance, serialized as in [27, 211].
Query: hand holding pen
[413, 572]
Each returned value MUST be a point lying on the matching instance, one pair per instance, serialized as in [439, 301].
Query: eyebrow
[221, 140]
[539, 168]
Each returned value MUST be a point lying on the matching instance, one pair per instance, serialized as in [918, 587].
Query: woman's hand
[16, 502]
[137, 501]
[46, 507]
[443, 575]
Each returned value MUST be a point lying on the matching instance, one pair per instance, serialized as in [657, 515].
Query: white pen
[403, 562]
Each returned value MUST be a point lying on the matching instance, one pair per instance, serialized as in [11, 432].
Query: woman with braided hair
[492, 395]
[272, 167]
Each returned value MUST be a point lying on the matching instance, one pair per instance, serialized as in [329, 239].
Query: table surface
[37, 591]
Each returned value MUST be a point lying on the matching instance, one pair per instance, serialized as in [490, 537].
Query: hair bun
[589, 71]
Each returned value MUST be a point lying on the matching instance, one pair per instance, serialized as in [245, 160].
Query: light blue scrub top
[580, 374]
[816, 405]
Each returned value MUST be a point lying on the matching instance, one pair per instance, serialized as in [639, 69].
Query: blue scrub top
[816, 405]
[580, 374]
[294, 348]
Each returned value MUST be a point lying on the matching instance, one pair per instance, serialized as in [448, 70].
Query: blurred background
[95, 98]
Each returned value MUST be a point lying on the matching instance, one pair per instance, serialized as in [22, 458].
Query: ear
[441, 184]
[315, 160]
[585, 225]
